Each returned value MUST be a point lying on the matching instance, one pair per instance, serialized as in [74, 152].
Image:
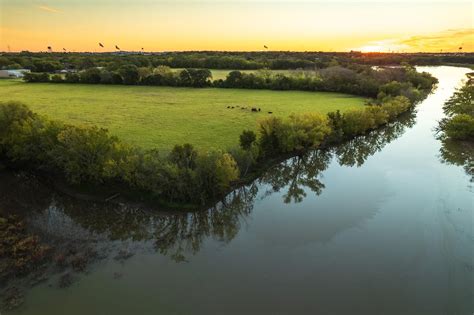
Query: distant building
[65, 71]
[17, 73]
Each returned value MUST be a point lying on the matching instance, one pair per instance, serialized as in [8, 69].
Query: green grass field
[222, 73]
[160, 117]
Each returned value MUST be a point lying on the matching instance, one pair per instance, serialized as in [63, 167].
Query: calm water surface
[380, 225]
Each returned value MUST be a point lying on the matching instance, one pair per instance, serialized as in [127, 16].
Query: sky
[244, 25]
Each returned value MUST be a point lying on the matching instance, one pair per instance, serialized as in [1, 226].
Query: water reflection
[302, 173]
[458, 153]
[179, 233]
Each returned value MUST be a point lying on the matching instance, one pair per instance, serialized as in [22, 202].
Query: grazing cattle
[228, 106]
[232, 107]
[270, 112]
[259, 109]
[254, 109]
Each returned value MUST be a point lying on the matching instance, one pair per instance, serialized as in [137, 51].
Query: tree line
[459, 109]
[276, 60]
[357, 80]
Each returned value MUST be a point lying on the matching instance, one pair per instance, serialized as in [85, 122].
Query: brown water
[380, 225]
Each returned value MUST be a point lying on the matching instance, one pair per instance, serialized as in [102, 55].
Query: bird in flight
[265, 46]
[101, 45]
[117, 47]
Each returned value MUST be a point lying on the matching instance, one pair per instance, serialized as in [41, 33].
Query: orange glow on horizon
[244, 25]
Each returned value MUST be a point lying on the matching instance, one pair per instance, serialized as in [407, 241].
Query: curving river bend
[380, 225]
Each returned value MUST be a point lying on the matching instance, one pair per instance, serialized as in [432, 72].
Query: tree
[247, 139]
[91, 76]
[184, 156]
[129, 74]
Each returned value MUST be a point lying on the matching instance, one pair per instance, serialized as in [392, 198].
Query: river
[380, 225]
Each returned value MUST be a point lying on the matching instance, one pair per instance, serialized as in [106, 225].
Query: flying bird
[101, 45]
[64, 49]
[265, 46]
[117, 47]
[49, 48]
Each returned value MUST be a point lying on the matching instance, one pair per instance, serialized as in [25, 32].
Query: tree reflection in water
[176, 233]
[459, 153]
[300, 173]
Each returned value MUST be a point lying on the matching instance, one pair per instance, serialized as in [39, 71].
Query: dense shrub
[83, 153]
[462, 102]
[395, 106]
[72, 78]
[90, 76]
[247, 139]
[297, 133]
[57, 78]
[36, 77]
[459, 127]
[129, 74]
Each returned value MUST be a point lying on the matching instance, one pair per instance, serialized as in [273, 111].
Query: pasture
[160, 117]
[221, 74]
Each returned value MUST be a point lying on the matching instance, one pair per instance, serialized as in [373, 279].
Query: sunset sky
[417, 25]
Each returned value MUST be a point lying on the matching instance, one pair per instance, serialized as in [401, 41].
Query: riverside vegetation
[456, 131]
[89, 155]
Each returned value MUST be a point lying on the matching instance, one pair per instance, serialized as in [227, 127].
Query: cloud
[449, 40]
[49, 9]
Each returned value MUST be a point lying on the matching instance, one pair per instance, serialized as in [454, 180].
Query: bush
[395, 106]
[90, 76]
[36, 77]
[247, 139]
[129, 74]
[57, 79]
[297, 133]
[82, 153]
[336, 123]
[459, 127]
[72, 78]
[357, 122]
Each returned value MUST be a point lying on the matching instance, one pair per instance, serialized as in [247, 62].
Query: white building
[18, 73]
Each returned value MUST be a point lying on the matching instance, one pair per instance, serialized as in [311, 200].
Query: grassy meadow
[221, 74]
[160, 117]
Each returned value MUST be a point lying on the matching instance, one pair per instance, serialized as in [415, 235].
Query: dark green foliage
[336, 123]
[72, 78]
[57, 79]
[459, 127]
[462, 102]
[129, 74]
[90, 76]
[36, 77]
[83, 153]
[184, 156]
[278, 60]
[247, 139]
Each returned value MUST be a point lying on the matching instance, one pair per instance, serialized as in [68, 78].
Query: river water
[380, 225]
